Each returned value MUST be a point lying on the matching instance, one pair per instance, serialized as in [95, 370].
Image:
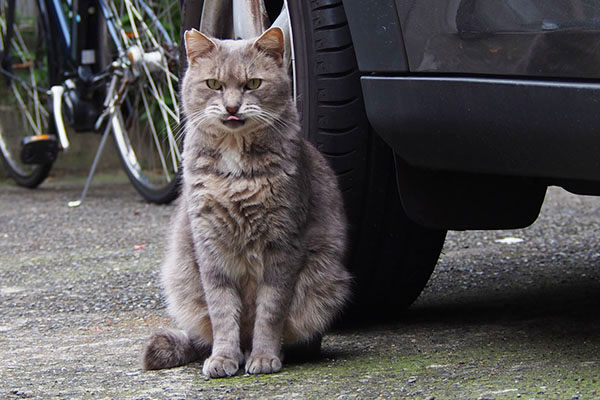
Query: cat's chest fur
[231, 162]
[235, 197]
[236, 216]
[240, 206]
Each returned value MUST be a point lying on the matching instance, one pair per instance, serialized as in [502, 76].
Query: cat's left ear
[272, 43]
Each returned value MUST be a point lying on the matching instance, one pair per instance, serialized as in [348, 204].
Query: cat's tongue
[233, 118]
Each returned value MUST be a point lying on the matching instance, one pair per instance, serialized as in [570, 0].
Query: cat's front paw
[220, 366]
[263, 364]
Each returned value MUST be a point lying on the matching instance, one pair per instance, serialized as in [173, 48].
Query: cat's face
[235, 85]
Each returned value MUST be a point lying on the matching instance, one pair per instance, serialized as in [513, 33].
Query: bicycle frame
[78, 51]
[79, 62]
[68, 46]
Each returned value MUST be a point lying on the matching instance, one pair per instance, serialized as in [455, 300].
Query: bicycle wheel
[24, 82]
[146, 126]
[390, 256]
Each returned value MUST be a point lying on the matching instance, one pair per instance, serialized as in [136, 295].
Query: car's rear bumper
[517, 127]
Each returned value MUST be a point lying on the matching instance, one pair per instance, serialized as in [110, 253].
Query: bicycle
[96, 66]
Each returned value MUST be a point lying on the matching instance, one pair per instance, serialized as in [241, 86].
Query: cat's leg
[322, 288]
[272, 302]
[265, 356]
[224, 307]
[168, 348]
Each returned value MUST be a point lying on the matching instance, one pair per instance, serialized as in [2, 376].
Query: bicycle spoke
[156, 139]
[149, 33]
[158, 96]
[154, 22]
[25, 112]
[170, 76]
[143, 25]
[131, 11]
[36, 121]
[132, 21]
[161, 17]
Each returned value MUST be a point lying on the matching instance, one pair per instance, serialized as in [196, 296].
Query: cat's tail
[169, 348]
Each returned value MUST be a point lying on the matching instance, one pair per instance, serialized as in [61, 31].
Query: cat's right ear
[197, 45]
[272, 43]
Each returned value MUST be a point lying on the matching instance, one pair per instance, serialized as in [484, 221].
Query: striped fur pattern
[255, 254]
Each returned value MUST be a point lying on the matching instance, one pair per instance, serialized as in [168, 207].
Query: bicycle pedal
[39, 149]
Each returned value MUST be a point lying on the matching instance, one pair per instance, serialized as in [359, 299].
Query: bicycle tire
[390, 256]
[146, 125]
[25, 66]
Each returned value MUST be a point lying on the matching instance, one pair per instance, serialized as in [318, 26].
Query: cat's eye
[214, 84]
[253, 83]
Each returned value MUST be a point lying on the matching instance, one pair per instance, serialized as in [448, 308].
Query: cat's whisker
[267, 120]
[177, 130]
[195, 119]
[272, 113]
[273, 119]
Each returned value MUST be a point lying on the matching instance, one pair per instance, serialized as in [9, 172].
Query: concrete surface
[79, 295]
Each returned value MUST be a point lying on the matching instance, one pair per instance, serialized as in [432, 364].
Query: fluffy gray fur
[257, 242]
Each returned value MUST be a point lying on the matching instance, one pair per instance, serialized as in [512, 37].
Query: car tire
[390, 256]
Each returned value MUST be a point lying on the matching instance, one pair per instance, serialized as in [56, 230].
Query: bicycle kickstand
[77, 203]
[113, 100]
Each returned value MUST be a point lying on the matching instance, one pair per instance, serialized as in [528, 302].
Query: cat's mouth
[233, 121]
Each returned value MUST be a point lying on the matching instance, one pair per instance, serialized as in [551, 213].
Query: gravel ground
[79, 294]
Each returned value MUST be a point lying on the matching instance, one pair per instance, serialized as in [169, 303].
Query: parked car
[436, 115]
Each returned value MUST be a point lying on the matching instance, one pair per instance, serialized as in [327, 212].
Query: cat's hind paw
[167, 349]
[218, 366]
[263, 364]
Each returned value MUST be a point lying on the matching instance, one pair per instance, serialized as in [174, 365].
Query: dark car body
[485, 103]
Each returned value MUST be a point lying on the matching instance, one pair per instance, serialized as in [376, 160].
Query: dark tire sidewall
[319, 106]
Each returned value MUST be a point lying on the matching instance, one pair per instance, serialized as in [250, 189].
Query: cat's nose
[232, 109]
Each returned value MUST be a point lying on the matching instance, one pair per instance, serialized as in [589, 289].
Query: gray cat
[255, 256]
